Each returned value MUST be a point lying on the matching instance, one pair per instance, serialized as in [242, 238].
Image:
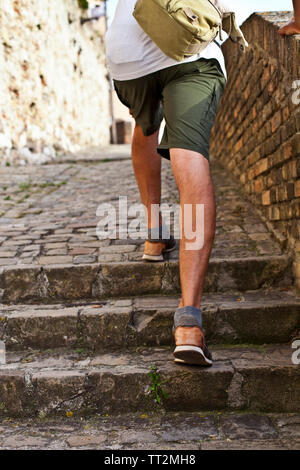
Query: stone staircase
[83, 334]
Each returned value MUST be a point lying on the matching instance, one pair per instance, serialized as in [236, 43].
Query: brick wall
[257, 131]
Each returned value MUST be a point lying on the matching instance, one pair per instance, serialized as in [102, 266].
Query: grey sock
[159, 233]
[188, 316]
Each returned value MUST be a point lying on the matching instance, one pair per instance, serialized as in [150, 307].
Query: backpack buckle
[191, 15]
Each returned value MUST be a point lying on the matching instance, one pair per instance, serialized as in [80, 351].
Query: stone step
[59, 283]
[53, 383]
[254, 317]
[156, 431]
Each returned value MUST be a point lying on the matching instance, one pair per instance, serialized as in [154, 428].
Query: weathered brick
[243, 178]
[293, 169]
[288, 130]
[266, 198]
[286, 211]
[284, 172]
[274, 213]
[276, 121]
[258, 185]
[247, 92]
[251, 174]
[290, 190]
[295, 208]
[285, 113]
[298, 167]
[238, 145]
[254, 157]
[297, 270]
[286, 151]
[296, 144]
[297, 188]
[261, 167]
[297, 121]
[265, 77]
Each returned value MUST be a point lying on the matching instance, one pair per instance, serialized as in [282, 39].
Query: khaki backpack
[182, 28]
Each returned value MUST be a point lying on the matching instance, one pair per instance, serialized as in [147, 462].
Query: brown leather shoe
[190, 340]
[154, 249]
[191, 347]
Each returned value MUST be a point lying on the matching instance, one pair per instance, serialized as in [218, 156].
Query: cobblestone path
[48, 214]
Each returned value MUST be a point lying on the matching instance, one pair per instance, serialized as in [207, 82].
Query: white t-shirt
[132, 54]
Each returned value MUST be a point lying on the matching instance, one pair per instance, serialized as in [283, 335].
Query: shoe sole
[153, 258]
[191, 355]
[158, 257]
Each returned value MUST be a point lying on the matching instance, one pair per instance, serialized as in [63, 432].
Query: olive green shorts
[187, 95]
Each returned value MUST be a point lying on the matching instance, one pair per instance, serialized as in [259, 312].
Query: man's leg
[192, 174]
[147, 168]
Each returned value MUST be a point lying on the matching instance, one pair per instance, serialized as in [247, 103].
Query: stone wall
[53, 87]
[257, 131]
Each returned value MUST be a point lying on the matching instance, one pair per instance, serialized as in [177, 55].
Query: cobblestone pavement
[175, 431]
[48, 213]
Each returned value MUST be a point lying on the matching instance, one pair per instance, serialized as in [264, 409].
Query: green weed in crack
[156, 385]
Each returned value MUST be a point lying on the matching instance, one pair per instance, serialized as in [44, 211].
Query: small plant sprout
[156, 386]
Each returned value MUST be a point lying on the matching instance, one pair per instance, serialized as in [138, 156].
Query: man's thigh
[190, 105]
[143, 97]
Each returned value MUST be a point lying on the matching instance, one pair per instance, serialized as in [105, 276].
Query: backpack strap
[231, 27]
